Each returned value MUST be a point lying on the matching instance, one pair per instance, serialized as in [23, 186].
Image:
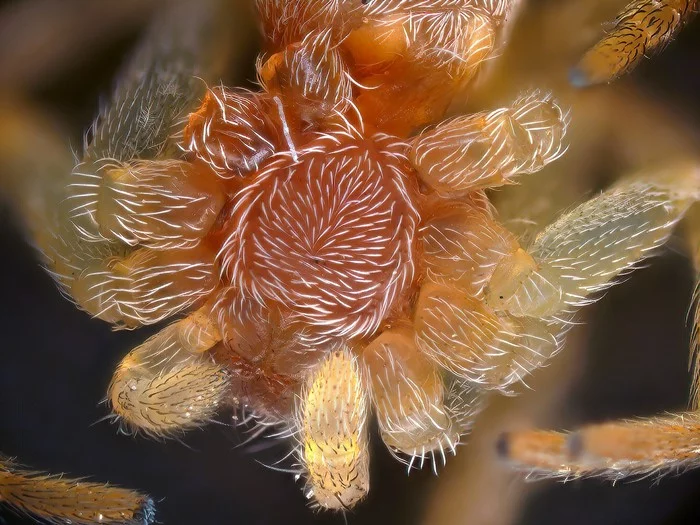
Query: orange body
[318, 240]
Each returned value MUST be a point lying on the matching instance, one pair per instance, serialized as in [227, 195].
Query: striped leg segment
[612, 450]
[59, 499]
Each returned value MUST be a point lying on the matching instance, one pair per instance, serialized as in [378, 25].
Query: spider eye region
[329, 237]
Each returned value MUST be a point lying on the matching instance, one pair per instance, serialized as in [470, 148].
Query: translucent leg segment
[146, 286]
[541, 451]
[58, 499]
[311, 76]
[644, 27]
[168, 384]
[586, 249]
[159, 204]
[110, 280]
[108, 277]
[488, 149]
[490, 350]
[462, 244]
[332, 418]
[409, 396]
[613, 450]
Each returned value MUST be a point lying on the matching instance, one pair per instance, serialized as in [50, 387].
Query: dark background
[55, 364]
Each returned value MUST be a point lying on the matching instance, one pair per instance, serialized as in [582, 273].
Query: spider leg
[496, 335]
[488, 349]
[612, 450]
[111, 201]
[408, 395]
[488, 149]
[643, 28]
[462, 243]
[169, 383]
[463, 247]
[231, 131]
[157, 89]
[160, 204]
[580, 255]
[610, 234]
[332, 418]
[60, 499]
[114, 281]
[36, 185]
[583, 251]
[144, 286]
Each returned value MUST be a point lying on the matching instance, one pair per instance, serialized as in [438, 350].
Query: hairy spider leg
[409, 396]
[169, 383]
[611, 234]
[127, 198]
[60, 499]
[333, 442]
[642, 29]
[156, 90]
[583, 251]
[612, 450]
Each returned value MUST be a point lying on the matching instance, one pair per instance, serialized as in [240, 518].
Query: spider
[330, 241]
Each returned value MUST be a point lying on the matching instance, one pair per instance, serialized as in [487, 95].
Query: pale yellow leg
[583, 251]
[409, 397]
[489, 149]
[333, 441]
[160, 204]
[169, 384]
[489, 350]
[146, 286]
[462, 244]
[105, 274]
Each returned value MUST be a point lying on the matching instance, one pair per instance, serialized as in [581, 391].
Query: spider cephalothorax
[333, 242]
